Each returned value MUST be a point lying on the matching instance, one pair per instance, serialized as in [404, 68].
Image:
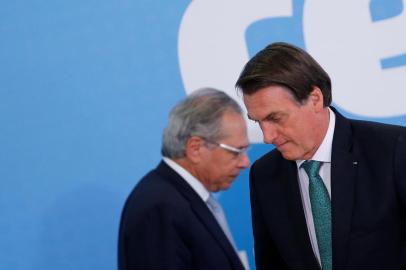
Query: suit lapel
[202, 212]
[343, 178]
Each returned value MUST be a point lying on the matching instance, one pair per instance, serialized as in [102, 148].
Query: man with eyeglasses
[171, 219]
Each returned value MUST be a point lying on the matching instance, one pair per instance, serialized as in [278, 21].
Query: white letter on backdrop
[212, 47]
[341, 35]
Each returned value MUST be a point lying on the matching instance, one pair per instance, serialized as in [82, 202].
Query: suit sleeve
[266, 254]
[152, 241]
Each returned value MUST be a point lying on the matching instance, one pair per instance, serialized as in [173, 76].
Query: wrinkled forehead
[268, 100]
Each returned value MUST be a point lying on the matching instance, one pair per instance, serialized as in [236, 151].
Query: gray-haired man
[168, 221]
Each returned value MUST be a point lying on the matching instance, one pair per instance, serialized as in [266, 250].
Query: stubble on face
[297, 130]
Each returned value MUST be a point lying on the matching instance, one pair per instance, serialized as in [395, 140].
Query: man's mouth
[279, 145]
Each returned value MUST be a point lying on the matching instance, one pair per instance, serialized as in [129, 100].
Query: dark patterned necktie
[321, 209]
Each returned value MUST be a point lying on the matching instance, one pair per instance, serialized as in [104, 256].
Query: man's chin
[227, 185]
[288, 155]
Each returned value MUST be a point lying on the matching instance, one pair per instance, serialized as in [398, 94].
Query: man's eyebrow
[269, 116]
[272, 115]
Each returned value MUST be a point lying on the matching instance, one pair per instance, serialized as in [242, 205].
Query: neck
[191, 167]
[322, 126]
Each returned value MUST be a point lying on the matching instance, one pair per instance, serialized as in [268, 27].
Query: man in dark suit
[171, 220]
[332, 195]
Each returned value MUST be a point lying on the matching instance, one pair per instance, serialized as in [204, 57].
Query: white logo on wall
[339, 34]
[343, 38]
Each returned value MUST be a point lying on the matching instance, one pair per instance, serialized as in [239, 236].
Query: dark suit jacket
[166, 225]
[368, 186]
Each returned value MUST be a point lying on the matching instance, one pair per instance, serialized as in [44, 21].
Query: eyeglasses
[236, 151]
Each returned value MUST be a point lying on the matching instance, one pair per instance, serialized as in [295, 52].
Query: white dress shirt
[203, 193]
[322, 154]
[189, 178]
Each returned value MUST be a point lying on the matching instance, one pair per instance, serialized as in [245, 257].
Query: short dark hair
[285, 65]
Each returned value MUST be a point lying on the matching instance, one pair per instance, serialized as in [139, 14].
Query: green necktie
[321, 209]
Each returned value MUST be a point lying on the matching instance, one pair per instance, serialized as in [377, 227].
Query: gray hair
[199, 114]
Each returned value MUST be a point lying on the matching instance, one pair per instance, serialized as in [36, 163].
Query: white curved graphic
[340, 34]
[212, 48]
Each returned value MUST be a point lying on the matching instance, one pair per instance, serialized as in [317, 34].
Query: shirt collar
[189, 178]
[323, 153]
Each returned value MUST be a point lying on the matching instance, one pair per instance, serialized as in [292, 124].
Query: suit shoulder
[376, 132]
[153, 192]
[271, 168]
[270, 159]
[377, 126]
[376, 141]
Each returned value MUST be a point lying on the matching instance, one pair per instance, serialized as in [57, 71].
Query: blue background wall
[85, 90]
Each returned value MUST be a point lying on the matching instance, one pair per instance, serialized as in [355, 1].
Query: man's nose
[269, 132]
[244, 160]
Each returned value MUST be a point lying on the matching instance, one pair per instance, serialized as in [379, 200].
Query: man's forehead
[269, 102]
[274, 91]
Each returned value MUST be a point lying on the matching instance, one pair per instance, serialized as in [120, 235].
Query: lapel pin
[355, 162]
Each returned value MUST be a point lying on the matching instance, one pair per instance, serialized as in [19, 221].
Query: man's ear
[193, 148]
[316, 98]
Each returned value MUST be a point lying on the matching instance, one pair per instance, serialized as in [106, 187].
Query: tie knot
[311, 167]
